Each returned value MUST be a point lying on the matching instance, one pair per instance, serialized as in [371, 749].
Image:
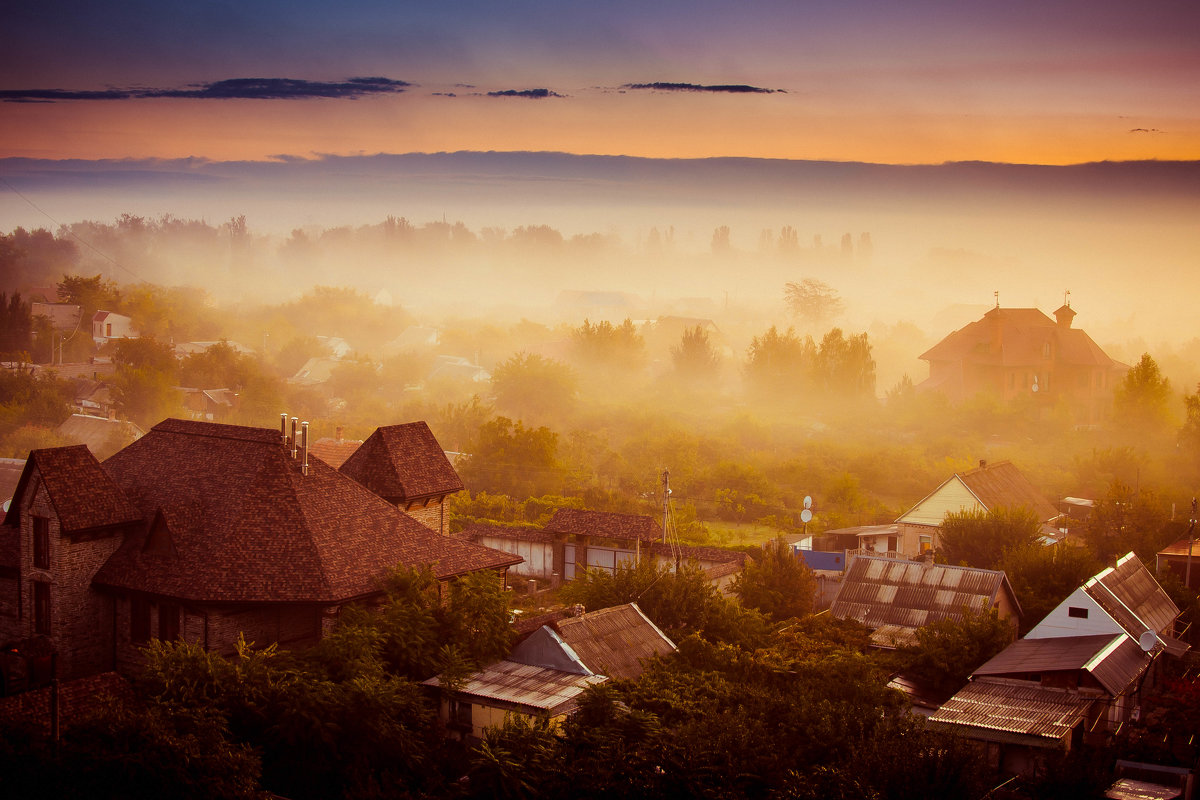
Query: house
[457, 368]
[315, 371]
[202, 531]
[988, 487]
[405, 465]
[102, 435]
[334, 450]
[1181, 559]
[1020, 353]
[894, 598]
[108, 325]
[61, 316]
[575, 540]
[214, 405]
[545, 674]
[1080, 671]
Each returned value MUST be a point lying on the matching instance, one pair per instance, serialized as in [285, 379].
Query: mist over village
[548, 401]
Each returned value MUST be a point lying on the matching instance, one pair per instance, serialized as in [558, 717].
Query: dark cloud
[234, 88]
[532, 94]
[1144, 130]
[730, 88]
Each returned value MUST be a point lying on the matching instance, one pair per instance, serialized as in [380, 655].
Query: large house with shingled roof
[1021, 353]
[202, 531]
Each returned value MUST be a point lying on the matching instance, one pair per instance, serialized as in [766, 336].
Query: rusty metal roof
[1115, 660]
[531, 687]
[1132, 597]
[1003, 485]
[998, 709]
[614, 641]
[891, 594]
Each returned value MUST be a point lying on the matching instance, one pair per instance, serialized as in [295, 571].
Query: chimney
[304, 464]
[338, 436]
[294, 441]
[283, 430]
[983, 463]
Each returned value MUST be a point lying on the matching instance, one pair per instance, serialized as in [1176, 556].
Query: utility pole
[666, 478]
[1187, 575]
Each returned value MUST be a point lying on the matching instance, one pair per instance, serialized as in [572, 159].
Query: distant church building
[1020, 352]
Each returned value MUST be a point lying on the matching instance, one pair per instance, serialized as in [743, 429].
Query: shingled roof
[82, 494]
[604, 524]
[233, 519]
[403, 462]
[1016, 337]
[1003, 485]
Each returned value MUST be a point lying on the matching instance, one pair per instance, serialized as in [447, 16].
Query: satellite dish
[807, 501]
[1035, 385]
[1148, 640]
[806, 516]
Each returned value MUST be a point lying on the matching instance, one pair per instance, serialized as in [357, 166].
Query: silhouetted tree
[776, 583]
[812, 301]
[1142, 401]
[981, 538]
[531, 386]
[694, 358]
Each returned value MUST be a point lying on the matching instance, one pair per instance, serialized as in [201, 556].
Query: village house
[1078, 675]
[894, 598]
[202, 531]
[575, 540]
[544, 675]
[109, 325]
[988, 487]
[1021, 353]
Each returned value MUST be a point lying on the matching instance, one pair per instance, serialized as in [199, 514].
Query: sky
[899, 83]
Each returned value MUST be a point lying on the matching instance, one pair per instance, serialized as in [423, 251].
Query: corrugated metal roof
[989, 706]
[882, 592]
[538, 688]
[614, 641]
[1132, 597]
[1114, 660]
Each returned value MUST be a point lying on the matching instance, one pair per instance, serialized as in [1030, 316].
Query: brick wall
[431, 516]
[80, 618]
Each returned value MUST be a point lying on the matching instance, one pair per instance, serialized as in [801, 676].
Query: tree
[1142, 401]
[844, 366]
[145, 380]
[949, 650]
[1124, 520]
[530, 386]
[694, 358]
[611, 351]
[980, 539]
[812, 301]
[1042, 577]
[778, 583]
[780, 364]
[16, 326]
[92, 294]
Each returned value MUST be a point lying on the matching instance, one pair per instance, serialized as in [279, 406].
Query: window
[139, 619]
[1078, 613]
[925, 544]
[41, 608]
[460, 713]
[168, 622]
[41, 543]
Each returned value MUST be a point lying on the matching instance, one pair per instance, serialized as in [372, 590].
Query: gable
[80, 492]
[952, 496]
[1078, 615]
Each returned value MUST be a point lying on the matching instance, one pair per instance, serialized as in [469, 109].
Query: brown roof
[1114, 660]
[526, 686]
[334, 452]
[614, 641]
[604, 524]
[1022, 712]
[896, 597]
[100, 434]
[1132, 597]
[479, 530]
[1002, 484]
[82, 494]
[403, 462]
[1016, 337]
[245, 525]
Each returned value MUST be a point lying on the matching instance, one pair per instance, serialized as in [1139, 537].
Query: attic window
[41, 543]
[1078, 613]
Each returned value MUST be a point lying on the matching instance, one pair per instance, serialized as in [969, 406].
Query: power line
[72, 233]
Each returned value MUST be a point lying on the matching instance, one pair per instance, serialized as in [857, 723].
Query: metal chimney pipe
[304, 431]
[283, 430]
[295, 442]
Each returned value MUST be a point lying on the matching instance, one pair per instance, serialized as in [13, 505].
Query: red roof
[82, 494]
[334, 452]
[243, 524]
[403, 462]
[1017, 337]
[604, 524]
[1002, 484]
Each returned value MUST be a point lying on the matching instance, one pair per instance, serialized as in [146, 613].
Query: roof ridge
[293, 478]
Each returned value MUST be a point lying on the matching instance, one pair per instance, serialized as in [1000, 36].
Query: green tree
[607, 347]
[530, 386]
[780, 365]
[1042, 577]
[511, 459]
[949, 650]
[811, 301]
[844, 366]
[16, 326]
[778, 583]
[92, 294]
[1142, 401]
[694, 359]
[144, 384]
[981, 538]
[1124, 519]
